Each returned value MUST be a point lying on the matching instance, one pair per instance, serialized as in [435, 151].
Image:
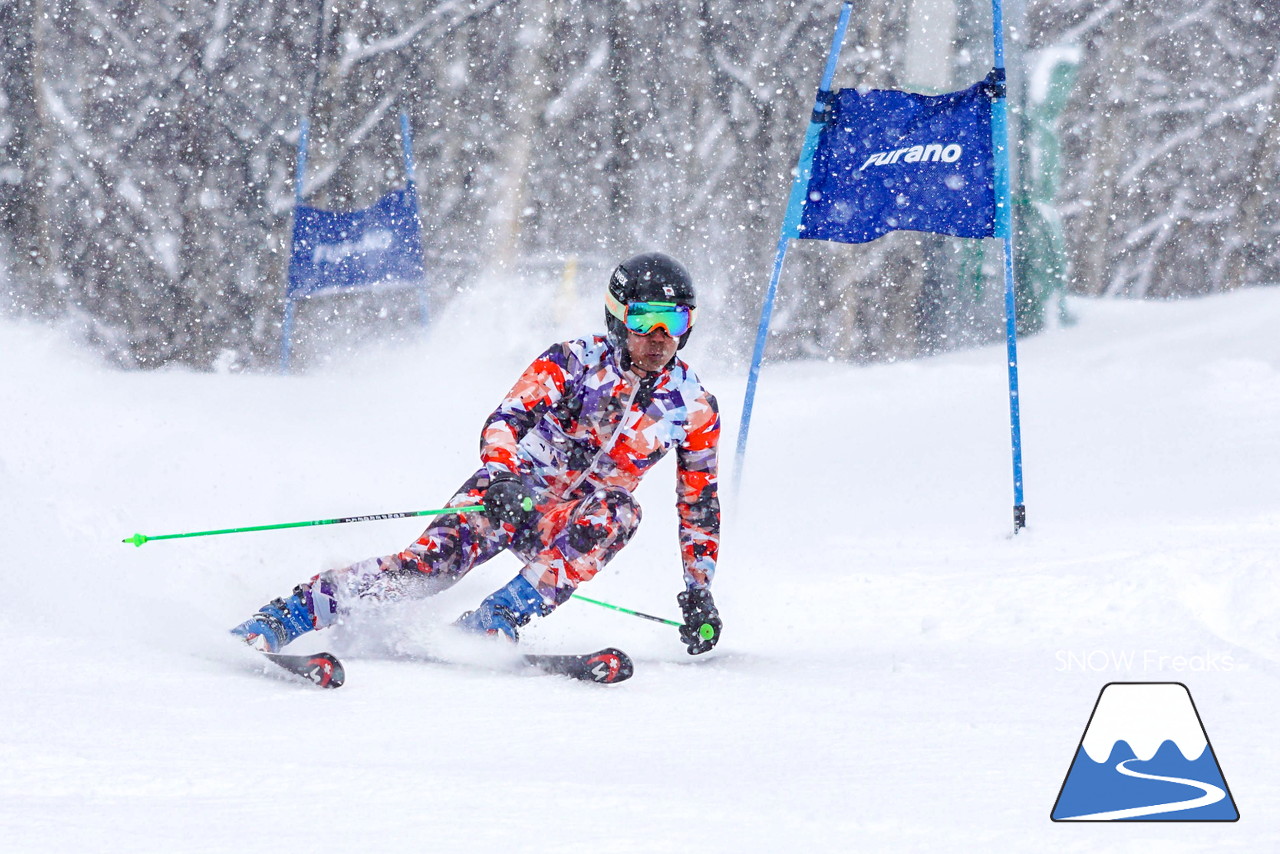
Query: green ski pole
[139, 539]
[705, 631]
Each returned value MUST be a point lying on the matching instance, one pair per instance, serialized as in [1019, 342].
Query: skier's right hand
[508, 500]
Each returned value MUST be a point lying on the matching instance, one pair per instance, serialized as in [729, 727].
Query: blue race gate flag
[889, 161]
[376, 245]
[879, 161]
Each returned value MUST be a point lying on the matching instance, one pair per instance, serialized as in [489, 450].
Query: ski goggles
[644, 317]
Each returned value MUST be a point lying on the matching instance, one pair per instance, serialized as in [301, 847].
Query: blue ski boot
[281, 621]
[505, 610]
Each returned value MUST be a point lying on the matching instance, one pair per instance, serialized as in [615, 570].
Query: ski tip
[609, 666]
[329, 672]
[320, 669]
[604, 667]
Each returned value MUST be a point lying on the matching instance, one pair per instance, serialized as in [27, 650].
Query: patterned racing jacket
[577, 420]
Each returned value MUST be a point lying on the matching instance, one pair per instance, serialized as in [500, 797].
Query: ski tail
[606, 667]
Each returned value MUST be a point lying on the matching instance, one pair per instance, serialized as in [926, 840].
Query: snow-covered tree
[1170, 144]
[149, 150]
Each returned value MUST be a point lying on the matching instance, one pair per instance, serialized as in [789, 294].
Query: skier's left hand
[701, 629]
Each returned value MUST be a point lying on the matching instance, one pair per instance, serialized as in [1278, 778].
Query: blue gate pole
[406, 145]
[286, 328]
[1004, 229]
[790, 228]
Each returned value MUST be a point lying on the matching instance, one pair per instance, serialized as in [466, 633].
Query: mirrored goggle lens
[644, 317]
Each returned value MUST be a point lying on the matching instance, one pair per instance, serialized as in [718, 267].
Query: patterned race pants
[566, 543]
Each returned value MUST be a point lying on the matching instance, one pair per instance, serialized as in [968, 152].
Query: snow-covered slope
[897, 673]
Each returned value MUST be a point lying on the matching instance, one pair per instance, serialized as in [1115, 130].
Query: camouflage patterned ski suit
[580, 430]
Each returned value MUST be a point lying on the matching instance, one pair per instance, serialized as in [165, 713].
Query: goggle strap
[615, 306]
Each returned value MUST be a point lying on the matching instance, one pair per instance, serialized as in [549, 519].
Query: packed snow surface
[898, 672]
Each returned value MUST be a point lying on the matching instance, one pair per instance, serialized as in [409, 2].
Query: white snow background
[897, 672]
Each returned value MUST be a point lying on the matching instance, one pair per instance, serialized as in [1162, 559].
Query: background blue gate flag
[379, 244]
[889, 161]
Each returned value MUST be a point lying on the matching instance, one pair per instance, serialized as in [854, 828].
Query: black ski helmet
[650, 276]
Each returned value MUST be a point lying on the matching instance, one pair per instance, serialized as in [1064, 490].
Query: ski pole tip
[136, 539]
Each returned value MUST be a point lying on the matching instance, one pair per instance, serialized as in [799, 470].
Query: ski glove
[508, 500]
[701, 629]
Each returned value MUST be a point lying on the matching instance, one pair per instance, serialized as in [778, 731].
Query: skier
[562, 455]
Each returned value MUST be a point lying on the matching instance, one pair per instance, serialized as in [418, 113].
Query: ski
[320, 668]
[606, 666]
